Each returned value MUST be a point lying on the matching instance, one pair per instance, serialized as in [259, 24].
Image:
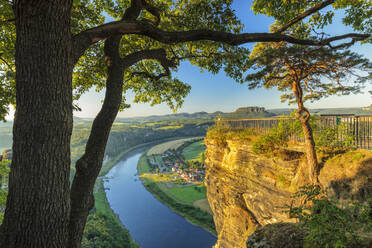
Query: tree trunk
[89, 165]
[304, 116]
[38, 204]
[312, 160]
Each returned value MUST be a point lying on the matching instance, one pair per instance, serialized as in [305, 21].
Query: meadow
[189, 193]
[174, 144]
[187, 200]
[194, 151]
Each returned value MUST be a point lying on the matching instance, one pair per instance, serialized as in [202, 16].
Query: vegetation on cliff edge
[330, 224]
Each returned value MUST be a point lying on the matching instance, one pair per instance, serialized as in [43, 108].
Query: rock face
[278, 235]
[251, 109]
[247, 191]
[248, 112]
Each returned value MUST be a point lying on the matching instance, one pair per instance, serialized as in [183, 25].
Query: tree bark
[312, 160]
[89, 165]
[304, 116]
[38, 204]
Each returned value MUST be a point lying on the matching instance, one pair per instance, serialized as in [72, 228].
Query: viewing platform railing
[359, 126]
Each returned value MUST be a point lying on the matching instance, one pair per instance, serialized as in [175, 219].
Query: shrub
[329, 224]
[334, 138]
[276, 139]
[103, 231]
[4, 173]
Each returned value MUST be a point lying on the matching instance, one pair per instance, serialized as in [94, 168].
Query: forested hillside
[126, 135]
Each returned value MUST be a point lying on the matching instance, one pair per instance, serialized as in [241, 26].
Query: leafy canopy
[143, 78]
[357, 13]
[321, 72]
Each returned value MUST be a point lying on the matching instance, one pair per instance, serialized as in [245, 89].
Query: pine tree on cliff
[53, 46]
[308, 74]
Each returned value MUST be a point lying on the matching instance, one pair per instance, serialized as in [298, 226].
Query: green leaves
[328, 223]
[177, 15]
[358, 13]
[7, 66]
[4, 173]
[320, 72]
[142, 78]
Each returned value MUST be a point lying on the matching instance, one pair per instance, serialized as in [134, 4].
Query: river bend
[151, 223]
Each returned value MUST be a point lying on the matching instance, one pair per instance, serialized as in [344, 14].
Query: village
[172, 163]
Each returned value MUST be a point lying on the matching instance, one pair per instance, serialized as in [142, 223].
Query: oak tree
[57, 41]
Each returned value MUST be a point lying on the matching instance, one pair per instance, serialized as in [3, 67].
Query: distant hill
[244, 112]
[171, 117]
[325, 111]
[184, 119]
[248, 112]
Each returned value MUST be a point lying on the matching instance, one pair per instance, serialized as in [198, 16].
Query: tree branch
[153, 10]
[346, 44]
[7, 21]
[88, 37]
[132, 13]
[157, 54]
[304, 15]
[9, 66]
[151, 76]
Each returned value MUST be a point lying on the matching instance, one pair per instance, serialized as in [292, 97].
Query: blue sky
[219, 93]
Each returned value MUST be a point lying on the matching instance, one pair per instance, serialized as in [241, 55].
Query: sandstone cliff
[246, 191]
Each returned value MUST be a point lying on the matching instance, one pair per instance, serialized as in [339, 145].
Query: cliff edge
[247, 191]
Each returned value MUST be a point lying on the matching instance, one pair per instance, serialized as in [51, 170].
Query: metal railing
[359, 126]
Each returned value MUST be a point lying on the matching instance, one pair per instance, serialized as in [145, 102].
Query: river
[151, 223]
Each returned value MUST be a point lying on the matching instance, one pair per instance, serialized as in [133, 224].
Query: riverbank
[193, 214]
[113, 161]
[102, 205]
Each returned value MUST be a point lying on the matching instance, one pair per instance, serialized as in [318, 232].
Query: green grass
[194, 150]
[5, 162]
[101, 203]
[173, 144]
[179, 199]
[193, 214]
[189, 193]
[143, 165]
[169, 127]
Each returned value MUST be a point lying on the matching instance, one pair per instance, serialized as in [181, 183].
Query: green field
[194, 151]
[189, 193]
[143, 166]
[181, 199]
[174, 144]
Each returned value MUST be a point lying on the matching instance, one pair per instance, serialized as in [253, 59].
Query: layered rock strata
[246, 191]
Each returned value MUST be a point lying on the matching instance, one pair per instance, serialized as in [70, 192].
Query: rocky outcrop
[248, 191]
[348, 176]
[278, 235]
